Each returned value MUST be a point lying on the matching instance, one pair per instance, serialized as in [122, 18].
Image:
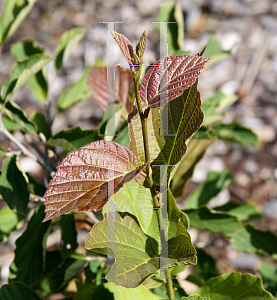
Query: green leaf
[174, 215]
[243, 211]
[138, 293]
[37, 83]
[252, 240]
[236, 133]
[184, 170]
[210, 220]
[35, 187]
[214, 106]
[17, 291]
[16, 118]
[178, 290]
[8, 221]
[110, 121]
[21, 73]
[214, 184]
[93, 270]
[42, 125]
[172, 11]
[195, 297]
[65, 273]
[234, 286]
[24, 49]
[136, 254]
[29, 261]
[68, 40]
[14, 185]
[215, 51]
[14, 12]
[137, 200]
[181, 249]
[73, 139]
[269, 276]
[69, 235]
[122, 137]
[205, 268]
[2, 152]
[75, 92]
[184, 116]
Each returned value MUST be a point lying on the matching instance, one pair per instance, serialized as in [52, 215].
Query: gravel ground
[247, 27]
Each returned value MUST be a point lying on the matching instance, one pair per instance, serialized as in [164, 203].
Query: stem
[143, 118]
[169, 285]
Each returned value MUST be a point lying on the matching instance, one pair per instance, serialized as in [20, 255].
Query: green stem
[169, 285]
[143, 118]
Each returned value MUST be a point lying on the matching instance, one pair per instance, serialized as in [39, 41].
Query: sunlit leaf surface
[82, 178]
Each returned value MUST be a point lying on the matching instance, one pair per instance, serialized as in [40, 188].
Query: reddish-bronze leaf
[97, 80]
[169, 77]
[125, 46]
[184, 117]
[81, 180]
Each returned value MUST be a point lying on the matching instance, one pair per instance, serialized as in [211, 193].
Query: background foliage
[39, 271]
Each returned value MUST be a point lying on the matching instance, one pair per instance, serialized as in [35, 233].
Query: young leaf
[81, 180]
[234, 286]
[136, 255]
[125, 46]
[252, 240]
[75, 92]
[137, 200]
[21, 72]
[14, 185]
[141, 45]
[184, 117]
[29, 260]
[68, 40]
[73, 139]
[269, 272]
[214, 184]
[184, 170]
[16, 291]
[14, 12]
[37, 83]
[97, 80]
[69, 235]
[178, 73]
[207, 219]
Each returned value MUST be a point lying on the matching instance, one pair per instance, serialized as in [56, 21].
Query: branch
[24, 150]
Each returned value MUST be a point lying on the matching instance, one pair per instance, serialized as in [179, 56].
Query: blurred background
[247, 32]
